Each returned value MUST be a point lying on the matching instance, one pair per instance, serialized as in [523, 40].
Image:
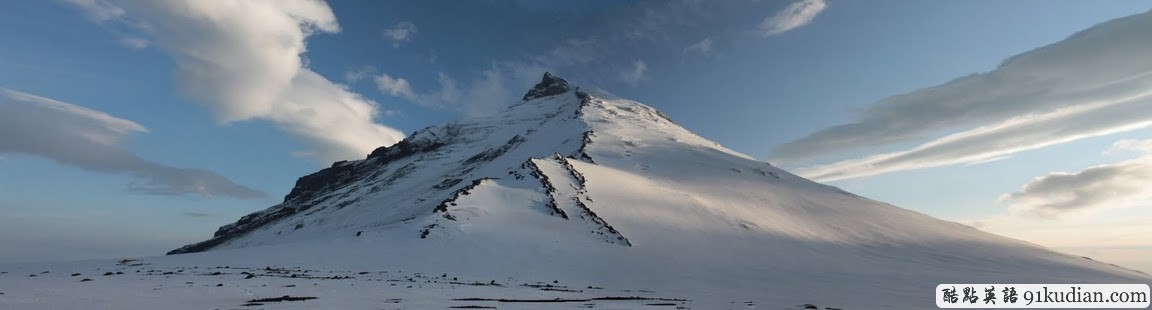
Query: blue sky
[133, 127]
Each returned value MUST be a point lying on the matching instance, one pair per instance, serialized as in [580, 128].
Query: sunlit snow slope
[579, 185]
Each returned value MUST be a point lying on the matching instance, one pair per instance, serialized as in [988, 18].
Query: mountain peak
[549, 85]
[576, 183]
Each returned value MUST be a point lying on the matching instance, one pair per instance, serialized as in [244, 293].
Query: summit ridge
[549, 85]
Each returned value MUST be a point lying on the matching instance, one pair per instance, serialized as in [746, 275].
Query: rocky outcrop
[550, 85]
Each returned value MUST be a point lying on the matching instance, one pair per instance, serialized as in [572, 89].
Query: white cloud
[1104, 63]
[242, 58]
[339, 124]
[635, 73]
[397, 87]
[400, 33]
[89, 139]
[999, 140]
[355, 75]
[1129, 145]
[794, 16]
[444, 98]
[98, 10]
[134, 42]
[704, 47]
[1120, 184]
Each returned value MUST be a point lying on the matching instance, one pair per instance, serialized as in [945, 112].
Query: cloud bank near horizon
[92, 140]
[1096, 82]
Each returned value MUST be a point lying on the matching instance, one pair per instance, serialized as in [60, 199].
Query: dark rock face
[342, 172]
[403, 149]
[309, 185]
[309, 189]
[549, 86]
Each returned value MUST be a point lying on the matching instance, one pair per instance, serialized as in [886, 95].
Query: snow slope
[605, 196]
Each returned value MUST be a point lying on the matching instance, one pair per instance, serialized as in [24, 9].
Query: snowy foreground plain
[572, 199]
[365, 274]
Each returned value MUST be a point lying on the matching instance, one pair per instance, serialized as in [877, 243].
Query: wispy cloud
[445, 97]
[995, 141]
[635, 73]
[794, 16]
[243, 60]
[488, 92]
[400, 33]
[98, 10]
[575, 52]
[1126, 146]
[704, 47]
[1096, 82]
[663, 20]
[355, 75]
[449, 91]
[199, 215]
[134, 42]
[109, 13]
[89, 139]
[1119, 184]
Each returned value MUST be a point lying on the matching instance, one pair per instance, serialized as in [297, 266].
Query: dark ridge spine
[600, 221]
[581, 154]
[443, 206]
[548, 188]
[588, 213]
[581, 181]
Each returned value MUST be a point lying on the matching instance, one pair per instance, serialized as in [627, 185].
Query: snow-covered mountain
[596, 192]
